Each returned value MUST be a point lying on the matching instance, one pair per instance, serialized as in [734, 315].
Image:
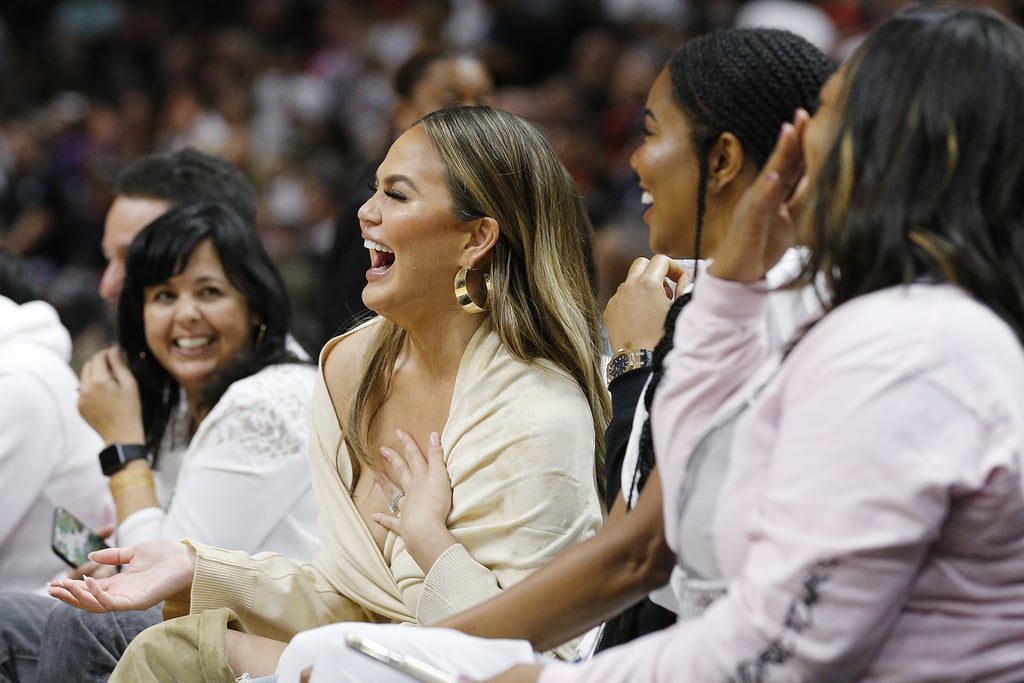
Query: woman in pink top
[859, 500]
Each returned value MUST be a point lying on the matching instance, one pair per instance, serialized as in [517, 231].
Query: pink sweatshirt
[870, 523]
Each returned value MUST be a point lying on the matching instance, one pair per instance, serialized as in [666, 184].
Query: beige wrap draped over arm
[519, 445]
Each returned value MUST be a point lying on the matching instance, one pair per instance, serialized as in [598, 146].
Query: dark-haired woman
[869, 515]
[208, 394]
[207, 433]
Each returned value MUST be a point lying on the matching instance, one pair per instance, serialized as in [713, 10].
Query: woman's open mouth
[192, 345]
[381, 259]
[647, 200]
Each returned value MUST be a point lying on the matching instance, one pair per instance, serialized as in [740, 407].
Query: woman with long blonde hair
[485, 356]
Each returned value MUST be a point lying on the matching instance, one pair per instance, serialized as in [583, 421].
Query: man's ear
[483, 235]
[725, 162]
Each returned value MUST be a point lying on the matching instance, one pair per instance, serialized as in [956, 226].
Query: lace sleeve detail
[259, 420]
[244, 480]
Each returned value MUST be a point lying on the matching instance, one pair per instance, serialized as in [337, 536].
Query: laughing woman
[498, 381]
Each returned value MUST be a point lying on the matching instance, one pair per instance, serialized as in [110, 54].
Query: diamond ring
[393, 505]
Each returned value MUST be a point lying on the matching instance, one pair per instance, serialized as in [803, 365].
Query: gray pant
[43, 640]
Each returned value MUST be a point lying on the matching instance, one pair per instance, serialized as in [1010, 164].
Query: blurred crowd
[299, 95]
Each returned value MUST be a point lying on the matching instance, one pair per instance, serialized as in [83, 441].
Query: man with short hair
[148, 188]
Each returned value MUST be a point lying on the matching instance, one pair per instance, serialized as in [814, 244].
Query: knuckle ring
[393, 505]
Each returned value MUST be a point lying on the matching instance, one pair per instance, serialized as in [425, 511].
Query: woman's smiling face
[196, 322]
[668, 168]
[410, 229]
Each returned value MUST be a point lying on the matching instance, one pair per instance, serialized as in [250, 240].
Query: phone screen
[71, 539]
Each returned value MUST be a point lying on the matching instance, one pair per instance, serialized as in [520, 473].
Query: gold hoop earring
[463, 296]
[259, 335]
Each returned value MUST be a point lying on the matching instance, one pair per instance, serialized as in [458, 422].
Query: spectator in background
[806, 19]
[427, 81]
[150, 186]
[47, 451]
[32, 204]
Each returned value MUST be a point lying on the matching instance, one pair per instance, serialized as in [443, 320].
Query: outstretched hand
[421, 518]
[762, 224]
[153, 571]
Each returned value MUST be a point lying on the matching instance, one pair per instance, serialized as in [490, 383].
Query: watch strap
[114, 457]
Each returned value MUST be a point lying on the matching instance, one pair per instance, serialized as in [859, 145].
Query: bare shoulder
[343, 361]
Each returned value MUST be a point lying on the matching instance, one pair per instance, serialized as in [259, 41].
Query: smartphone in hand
[71, 539]
[410, 666]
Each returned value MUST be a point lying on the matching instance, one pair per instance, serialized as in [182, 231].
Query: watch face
[618, 365]
[114, 457]
[110, 460]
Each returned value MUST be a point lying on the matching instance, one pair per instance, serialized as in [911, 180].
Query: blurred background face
[446, 82]
[668, 170]
[125, 219]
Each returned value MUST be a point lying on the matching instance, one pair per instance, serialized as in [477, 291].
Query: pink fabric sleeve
[871, 432]
[720, 341]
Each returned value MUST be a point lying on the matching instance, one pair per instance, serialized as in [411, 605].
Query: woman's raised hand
[762, 224]
[635, 316]
[153, 571]
[420, 514]
[109, 400]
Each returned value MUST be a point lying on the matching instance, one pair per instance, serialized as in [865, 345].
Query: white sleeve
[242, 473]
[29, 446]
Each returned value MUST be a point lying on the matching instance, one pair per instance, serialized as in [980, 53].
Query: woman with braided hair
[712, 118]
[709, 127]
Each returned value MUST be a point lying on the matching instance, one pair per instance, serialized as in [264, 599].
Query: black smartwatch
[114, 457]
[625, 361]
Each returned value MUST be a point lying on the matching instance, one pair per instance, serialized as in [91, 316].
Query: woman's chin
[375, 300]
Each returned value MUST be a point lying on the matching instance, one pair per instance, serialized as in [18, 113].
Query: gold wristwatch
[624, 361]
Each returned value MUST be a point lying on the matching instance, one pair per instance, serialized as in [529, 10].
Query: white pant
[451, 651]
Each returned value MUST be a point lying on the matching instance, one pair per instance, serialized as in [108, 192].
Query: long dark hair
[925, 180]
[747, 82]
[161, 251]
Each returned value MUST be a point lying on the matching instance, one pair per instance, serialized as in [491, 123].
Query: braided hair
[747, 82]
